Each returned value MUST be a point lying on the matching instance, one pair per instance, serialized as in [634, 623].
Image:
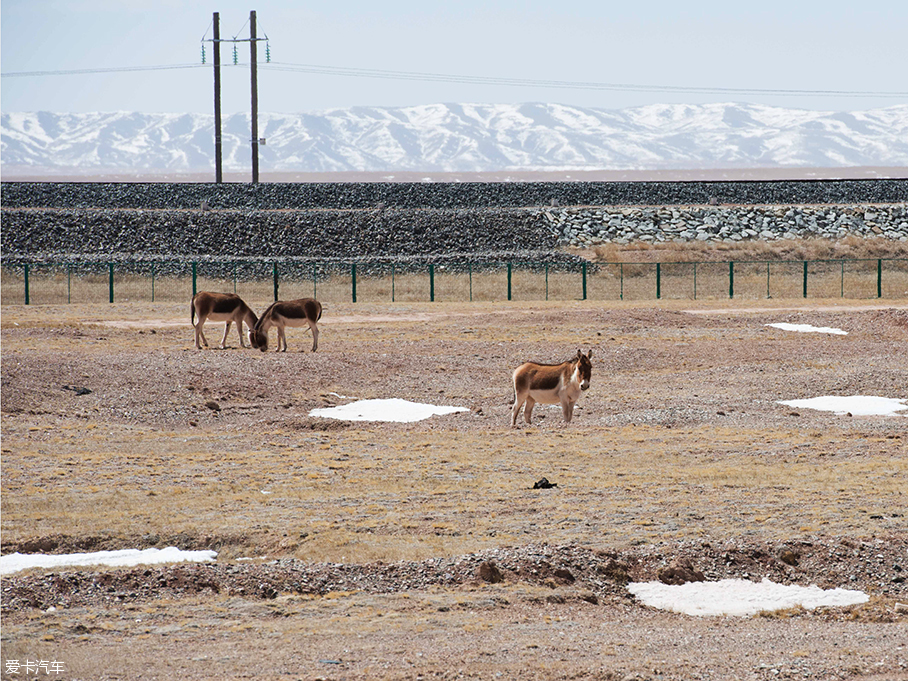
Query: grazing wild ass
[551, 384]
[284, 313]
[220, 307]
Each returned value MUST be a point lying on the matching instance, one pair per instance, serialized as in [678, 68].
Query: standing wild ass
[551, 384]
[286, 313]
[220, 307]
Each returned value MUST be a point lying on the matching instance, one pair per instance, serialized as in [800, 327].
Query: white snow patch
[396, 410]
[807, 328]
[739, 597]
[15, 562]
[857, 405]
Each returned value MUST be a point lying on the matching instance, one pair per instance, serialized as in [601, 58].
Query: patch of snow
[856, 405]
[393, 410]
[739, 597]
[807, 328]
[15, 562]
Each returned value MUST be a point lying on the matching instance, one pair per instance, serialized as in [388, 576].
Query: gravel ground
[679, 457]
[442, 195]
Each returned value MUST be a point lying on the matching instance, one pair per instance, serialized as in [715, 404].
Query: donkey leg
[224, 339]
[239, 330]
[314, 336]
[567, 409]
[200, 334]
[528, 410]
[515, 410]
[281, 338]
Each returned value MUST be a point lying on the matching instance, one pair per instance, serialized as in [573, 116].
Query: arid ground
[379, 550]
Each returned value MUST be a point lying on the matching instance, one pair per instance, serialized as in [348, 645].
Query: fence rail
[261, 280]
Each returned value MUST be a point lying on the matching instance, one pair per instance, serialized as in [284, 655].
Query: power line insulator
[203, 53]
[236, 57]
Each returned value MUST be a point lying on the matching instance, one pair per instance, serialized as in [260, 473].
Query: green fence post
[805, 278]
[842, 293]
[69, 285]
[470, 271]
[731, 279]
[392, 282]
[546, 281]
[152, 282]
[26, 285]
[879, 278]
[195, 276]
[431, 283]
[658, 280]
[110, 268]
[276, 281]
[314, 281]
[621, 266]
[353, 279]
[767, 280]
[583, 267]
[509, 281]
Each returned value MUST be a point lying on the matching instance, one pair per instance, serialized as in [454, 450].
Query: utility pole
[255, 98]
[253, 53]
[218, 162]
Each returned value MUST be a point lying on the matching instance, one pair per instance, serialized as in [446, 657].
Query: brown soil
[380, 550]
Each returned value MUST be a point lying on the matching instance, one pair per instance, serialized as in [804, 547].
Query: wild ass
[551, 384]
[286, 313]
[220, 307]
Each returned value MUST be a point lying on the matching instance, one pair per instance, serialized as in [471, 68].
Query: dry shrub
[849, 247]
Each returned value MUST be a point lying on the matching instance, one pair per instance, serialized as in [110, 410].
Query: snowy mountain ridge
[464, 138]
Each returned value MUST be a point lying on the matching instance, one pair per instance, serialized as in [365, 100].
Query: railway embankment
[431, 221]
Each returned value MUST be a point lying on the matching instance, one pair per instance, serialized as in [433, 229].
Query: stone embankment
[437, 222]
[585, 227]
[444, 195]
[389, 235]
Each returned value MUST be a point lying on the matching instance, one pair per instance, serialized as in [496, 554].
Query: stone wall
[428, 222]
[387, 235]
[584, 227]
[443, 196]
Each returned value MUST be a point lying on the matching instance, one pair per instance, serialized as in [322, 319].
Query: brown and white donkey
[284, 313]
[551, 384]
[220, 307]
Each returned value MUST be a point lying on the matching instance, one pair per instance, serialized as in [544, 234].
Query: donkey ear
[579, 352]
[589, 353]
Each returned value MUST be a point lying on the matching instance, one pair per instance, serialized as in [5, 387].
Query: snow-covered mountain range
[464, 138]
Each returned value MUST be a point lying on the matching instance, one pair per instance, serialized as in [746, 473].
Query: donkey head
[584, 368]
[258, 340]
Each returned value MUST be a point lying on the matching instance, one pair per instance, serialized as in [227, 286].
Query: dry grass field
[353, 550]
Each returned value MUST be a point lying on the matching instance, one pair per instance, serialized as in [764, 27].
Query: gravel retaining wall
[362, 235]
[430, 222]
[588, 227]
[349, 195]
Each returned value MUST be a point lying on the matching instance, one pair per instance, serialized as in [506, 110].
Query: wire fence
[266, 280]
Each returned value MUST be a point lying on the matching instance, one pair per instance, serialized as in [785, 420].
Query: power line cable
[354, 72]
[114, 69]
[580, 85]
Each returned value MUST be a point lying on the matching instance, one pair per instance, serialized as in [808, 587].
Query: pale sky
[643, 52]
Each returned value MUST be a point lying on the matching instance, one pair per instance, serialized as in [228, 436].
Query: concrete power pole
[253, 53]
[255, 98]
[218, 162]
